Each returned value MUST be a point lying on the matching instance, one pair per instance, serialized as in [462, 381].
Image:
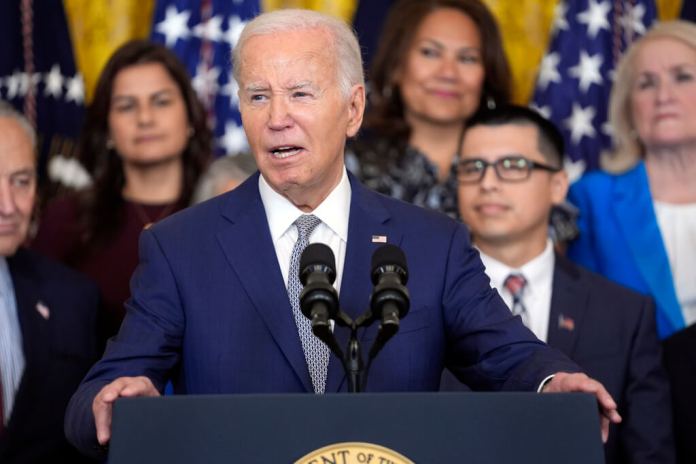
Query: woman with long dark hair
[145, 143]
[437, 63]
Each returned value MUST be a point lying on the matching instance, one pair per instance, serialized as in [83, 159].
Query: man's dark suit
[58, 351]
[209, 306]
[680, 361]
[610, 332]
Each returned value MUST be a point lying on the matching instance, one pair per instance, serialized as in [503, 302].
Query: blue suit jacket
[210, 309]
[610, 332]
[620, 239]
[58, 352]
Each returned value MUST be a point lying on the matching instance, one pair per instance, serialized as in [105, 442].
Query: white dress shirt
[537, 294]
[678, 228]
[11, 351]
[333, 230]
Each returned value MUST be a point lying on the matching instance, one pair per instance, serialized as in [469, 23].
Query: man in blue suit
[209, 306]
[47, 317]
[607, 329]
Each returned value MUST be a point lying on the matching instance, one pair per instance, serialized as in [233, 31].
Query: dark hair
[386, 114]
[103, 208]
[550, 140]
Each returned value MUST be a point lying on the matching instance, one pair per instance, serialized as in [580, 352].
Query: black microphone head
[389, 258]
[317, 257]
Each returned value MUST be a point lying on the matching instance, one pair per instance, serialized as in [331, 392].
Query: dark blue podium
[438, 428]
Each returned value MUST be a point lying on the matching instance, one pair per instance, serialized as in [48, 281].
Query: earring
[490, 102]
[110, 144]
[191, 132]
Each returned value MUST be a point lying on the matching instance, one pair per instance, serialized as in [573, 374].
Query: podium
[478, 428]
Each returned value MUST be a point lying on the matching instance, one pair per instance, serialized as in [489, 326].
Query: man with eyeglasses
[510, 177]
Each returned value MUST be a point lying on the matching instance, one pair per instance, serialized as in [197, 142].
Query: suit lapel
[368, 218]
[568, 303]
[246, 241]
[632, 206]
[246, 223]
[36, 333]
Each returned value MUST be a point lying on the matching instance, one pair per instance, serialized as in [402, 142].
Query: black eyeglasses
[512, 168]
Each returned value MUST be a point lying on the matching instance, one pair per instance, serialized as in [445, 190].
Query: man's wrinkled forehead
[290, 71]
[15, 138]
[271, 53]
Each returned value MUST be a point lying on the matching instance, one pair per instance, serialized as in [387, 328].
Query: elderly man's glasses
[511, 168]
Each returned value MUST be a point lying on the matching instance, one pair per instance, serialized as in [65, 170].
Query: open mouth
[285, 151]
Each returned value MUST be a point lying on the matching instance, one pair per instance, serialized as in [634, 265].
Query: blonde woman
[638, 217]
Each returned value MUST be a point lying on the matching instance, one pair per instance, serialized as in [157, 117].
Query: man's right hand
[103, 403]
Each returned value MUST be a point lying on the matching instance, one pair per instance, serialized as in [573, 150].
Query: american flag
[566, 323]
[203, 34]
[38, 74]
[575, 75]
[379, 239]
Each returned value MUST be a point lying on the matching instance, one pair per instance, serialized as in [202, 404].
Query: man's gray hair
[222, 171]
[346, 48]
[8, 111]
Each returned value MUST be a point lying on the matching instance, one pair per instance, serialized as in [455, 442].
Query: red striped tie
[515, 284]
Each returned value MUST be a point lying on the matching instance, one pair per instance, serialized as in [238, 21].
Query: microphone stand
[352, 360]
[319, 302]
[353, 364]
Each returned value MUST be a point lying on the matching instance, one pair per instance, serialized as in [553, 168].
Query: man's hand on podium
[563, 382]
[103, 403]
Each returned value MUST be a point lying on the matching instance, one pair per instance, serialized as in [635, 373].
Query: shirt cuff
[544, 382]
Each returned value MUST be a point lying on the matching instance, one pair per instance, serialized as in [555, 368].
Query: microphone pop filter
[317, 257]
[389, 258]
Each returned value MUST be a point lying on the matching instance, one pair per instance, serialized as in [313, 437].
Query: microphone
[390, 300]
[319, 299]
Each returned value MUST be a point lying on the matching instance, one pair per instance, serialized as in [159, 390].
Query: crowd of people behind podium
[438, 116]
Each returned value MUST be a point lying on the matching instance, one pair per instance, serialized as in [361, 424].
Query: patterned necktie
[316, 352]
[515, 284]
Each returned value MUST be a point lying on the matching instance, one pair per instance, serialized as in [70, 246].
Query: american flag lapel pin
[566, 323]
[43, 310]
[379, 239]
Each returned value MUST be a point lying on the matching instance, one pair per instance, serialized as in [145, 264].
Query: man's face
[500, 212]
[17, 185]
[294, 115]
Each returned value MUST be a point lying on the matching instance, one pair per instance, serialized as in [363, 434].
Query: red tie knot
[515, 283]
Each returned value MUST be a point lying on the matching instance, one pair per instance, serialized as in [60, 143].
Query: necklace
[146, 219]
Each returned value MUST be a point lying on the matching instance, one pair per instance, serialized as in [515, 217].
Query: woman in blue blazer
[638, 217]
